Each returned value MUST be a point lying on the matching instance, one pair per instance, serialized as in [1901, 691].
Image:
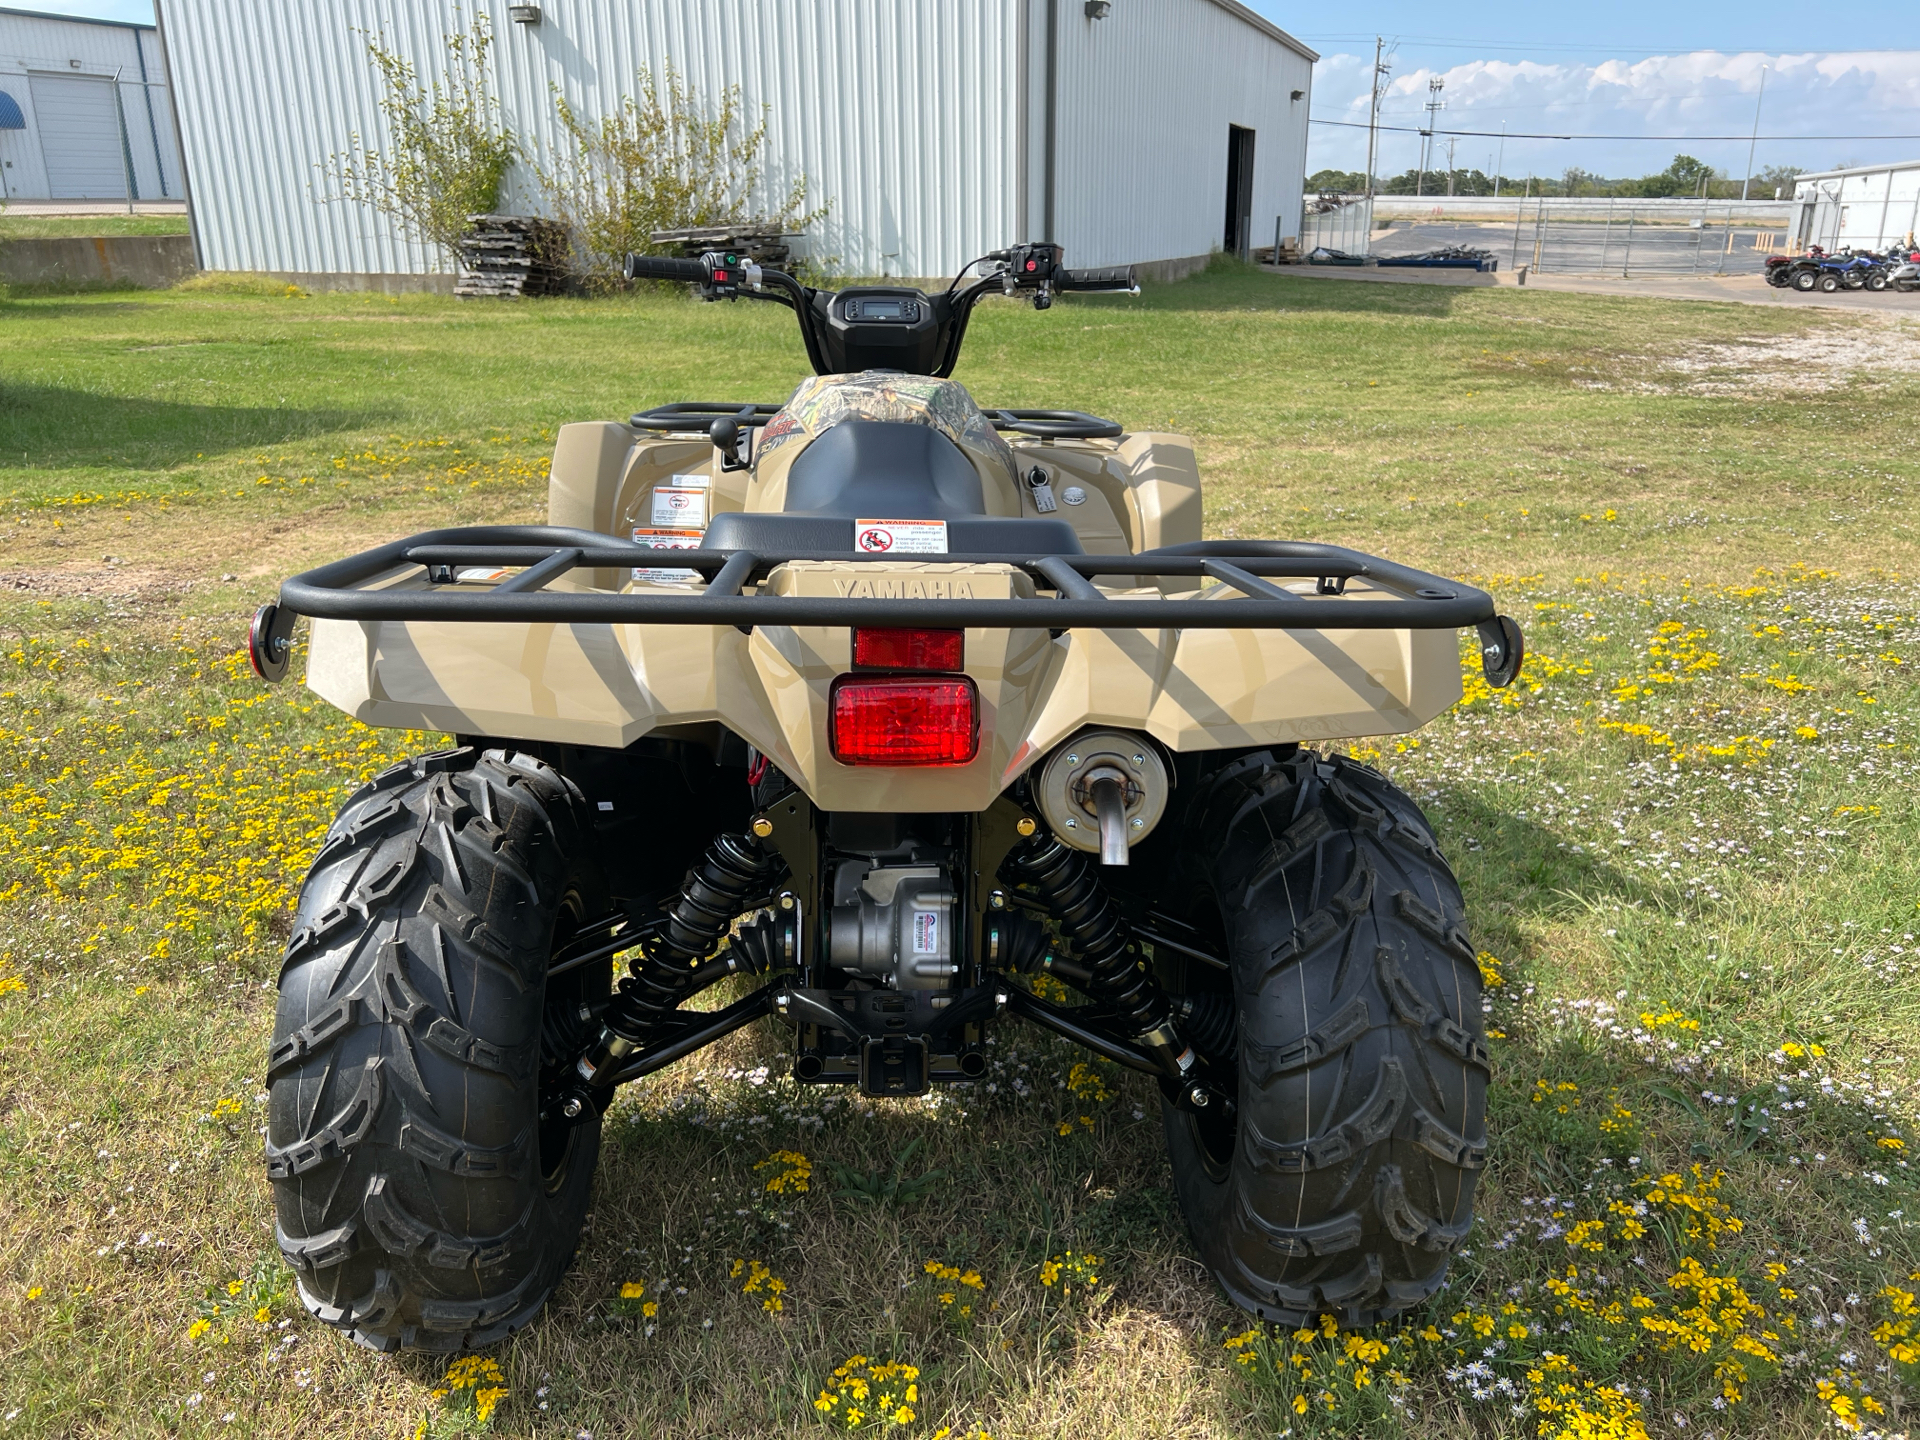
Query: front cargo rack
[1068, 598]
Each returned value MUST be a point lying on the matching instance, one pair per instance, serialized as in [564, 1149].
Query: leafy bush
[448, 150]
[662, 161]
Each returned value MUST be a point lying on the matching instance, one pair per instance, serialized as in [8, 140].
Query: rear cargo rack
[694, 417]
[1247, 569]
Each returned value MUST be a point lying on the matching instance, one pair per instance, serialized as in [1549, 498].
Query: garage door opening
[80, 137]
[1237, 236]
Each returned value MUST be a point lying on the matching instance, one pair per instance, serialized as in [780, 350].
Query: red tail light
[900, 720]
[909, 649]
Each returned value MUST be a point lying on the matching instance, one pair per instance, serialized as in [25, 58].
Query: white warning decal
[667, 540]
[900, 537]
[679, 508]
[926, 932]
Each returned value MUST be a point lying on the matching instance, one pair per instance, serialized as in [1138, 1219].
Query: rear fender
[608, 685]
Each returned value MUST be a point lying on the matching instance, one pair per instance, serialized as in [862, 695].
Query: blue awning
[10, 116]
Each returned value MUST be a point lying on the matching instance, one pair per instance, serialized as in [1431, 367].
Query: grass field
[57, 227]
[1688, 840]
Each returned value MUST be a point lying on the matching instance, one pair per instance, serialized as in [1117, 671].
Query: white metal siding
[917, 119]
[1145, 99]
[901, 113]
[1865, 209]
[49, 45]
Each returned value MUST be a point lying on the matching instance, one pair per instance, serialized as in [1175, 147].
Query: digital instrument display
[887, 309]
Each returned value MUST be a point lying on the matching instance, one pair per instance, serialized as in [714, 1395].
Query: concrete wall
[151, 260]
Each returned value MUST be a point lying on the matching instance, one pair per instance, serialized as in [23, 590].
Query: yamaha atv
[873, 706]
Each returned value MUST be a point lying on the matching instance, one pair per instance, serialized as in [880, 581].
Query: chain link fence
[1343, 225]
[1627, 239]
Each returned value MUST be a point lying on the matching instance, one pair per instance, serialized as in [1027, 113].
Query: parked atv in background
[1781, 270]
[1841, 270]
[882, 705]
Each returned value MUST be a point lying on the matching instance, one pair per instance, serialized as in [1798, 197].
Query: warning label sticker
[900, 537]
[679, 508]
[667, 540]
[926, 932]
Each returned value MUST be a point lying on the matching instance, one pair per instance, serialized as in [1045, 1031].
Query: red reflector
[897, 720]
[908, 649]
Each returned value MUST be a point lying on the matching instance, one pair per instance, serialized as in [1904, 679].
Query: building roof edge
[1265, 27]
[1856, 170]
[73, 19]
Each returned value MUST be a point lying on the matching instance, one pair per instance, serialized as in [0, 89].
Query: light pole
[1501, 161]
[1755, 140]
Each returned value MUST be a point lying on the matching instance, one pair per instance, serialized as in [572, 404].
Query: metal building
[1143, 131]
[84, 110]
[1867, 208]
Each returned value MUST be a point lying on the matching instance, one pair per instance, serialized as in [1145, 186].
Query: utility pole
[1433, 107]
[1380, 72]
[1451, 142]
[1755, 140]
[1501, 161]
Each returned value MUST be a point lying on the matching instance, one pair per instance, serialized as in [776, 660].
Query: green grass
[61, 227]
[1699, 809]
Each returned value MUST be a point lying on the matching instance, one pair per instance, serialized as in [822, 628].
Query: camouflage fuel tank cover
[823, 401]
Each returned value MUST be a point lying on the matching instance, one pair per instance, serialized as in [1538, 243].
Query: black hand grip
[664, 267]
[1113, 277]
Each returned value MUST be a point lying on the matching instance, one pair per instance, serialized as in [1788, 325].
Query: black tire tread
[404, 1070]
[1361, 1051]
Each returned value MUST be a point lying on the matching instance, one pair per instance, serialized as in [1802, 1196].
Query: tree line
[1685, 177]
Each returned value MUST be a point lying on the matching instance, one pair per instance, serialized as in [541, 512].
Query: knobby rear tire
[420, 1203]
[1347, 1178]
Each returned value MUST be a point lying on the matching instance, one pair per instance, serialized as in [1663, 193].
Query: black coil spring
[1101, 938]
[725, 882]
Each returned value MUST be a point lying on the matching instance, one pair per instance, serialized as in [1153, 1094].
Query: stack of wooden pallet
[513, 255]
[760, 244]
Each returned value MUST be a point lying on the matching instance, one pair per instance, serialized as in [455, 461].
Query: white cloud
[1704, 93]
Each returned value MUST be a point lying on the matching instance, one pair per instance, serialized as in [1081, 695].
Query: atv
[881, 706]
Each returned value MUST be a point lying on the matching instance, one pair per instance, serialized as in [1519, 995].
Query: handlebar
[1032, 270]
[1113, 278]
[663, 267]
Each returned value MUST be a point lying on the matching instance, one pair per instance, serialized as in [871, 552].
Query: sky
[1655, 68]
[1631, 67]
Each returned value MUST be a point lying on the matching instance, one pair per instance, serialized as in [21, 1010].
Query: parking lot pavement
[1736, 289]
[1593, 247]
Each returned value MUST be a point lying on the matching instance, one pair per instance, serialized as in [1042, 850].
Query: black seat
[885, 470]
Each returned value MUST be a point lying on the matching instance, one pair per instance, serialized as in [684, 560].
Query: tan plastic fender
[608, 685]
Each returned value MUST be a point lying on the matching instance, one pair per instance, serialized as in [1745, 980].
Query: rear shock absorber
[1103, 945]
[724, 883]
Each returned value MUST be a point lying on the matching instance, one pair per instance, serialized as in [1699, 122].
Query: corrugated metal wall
[902, 113]
[1145, 99]
[47, 46]
[1869, 210]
